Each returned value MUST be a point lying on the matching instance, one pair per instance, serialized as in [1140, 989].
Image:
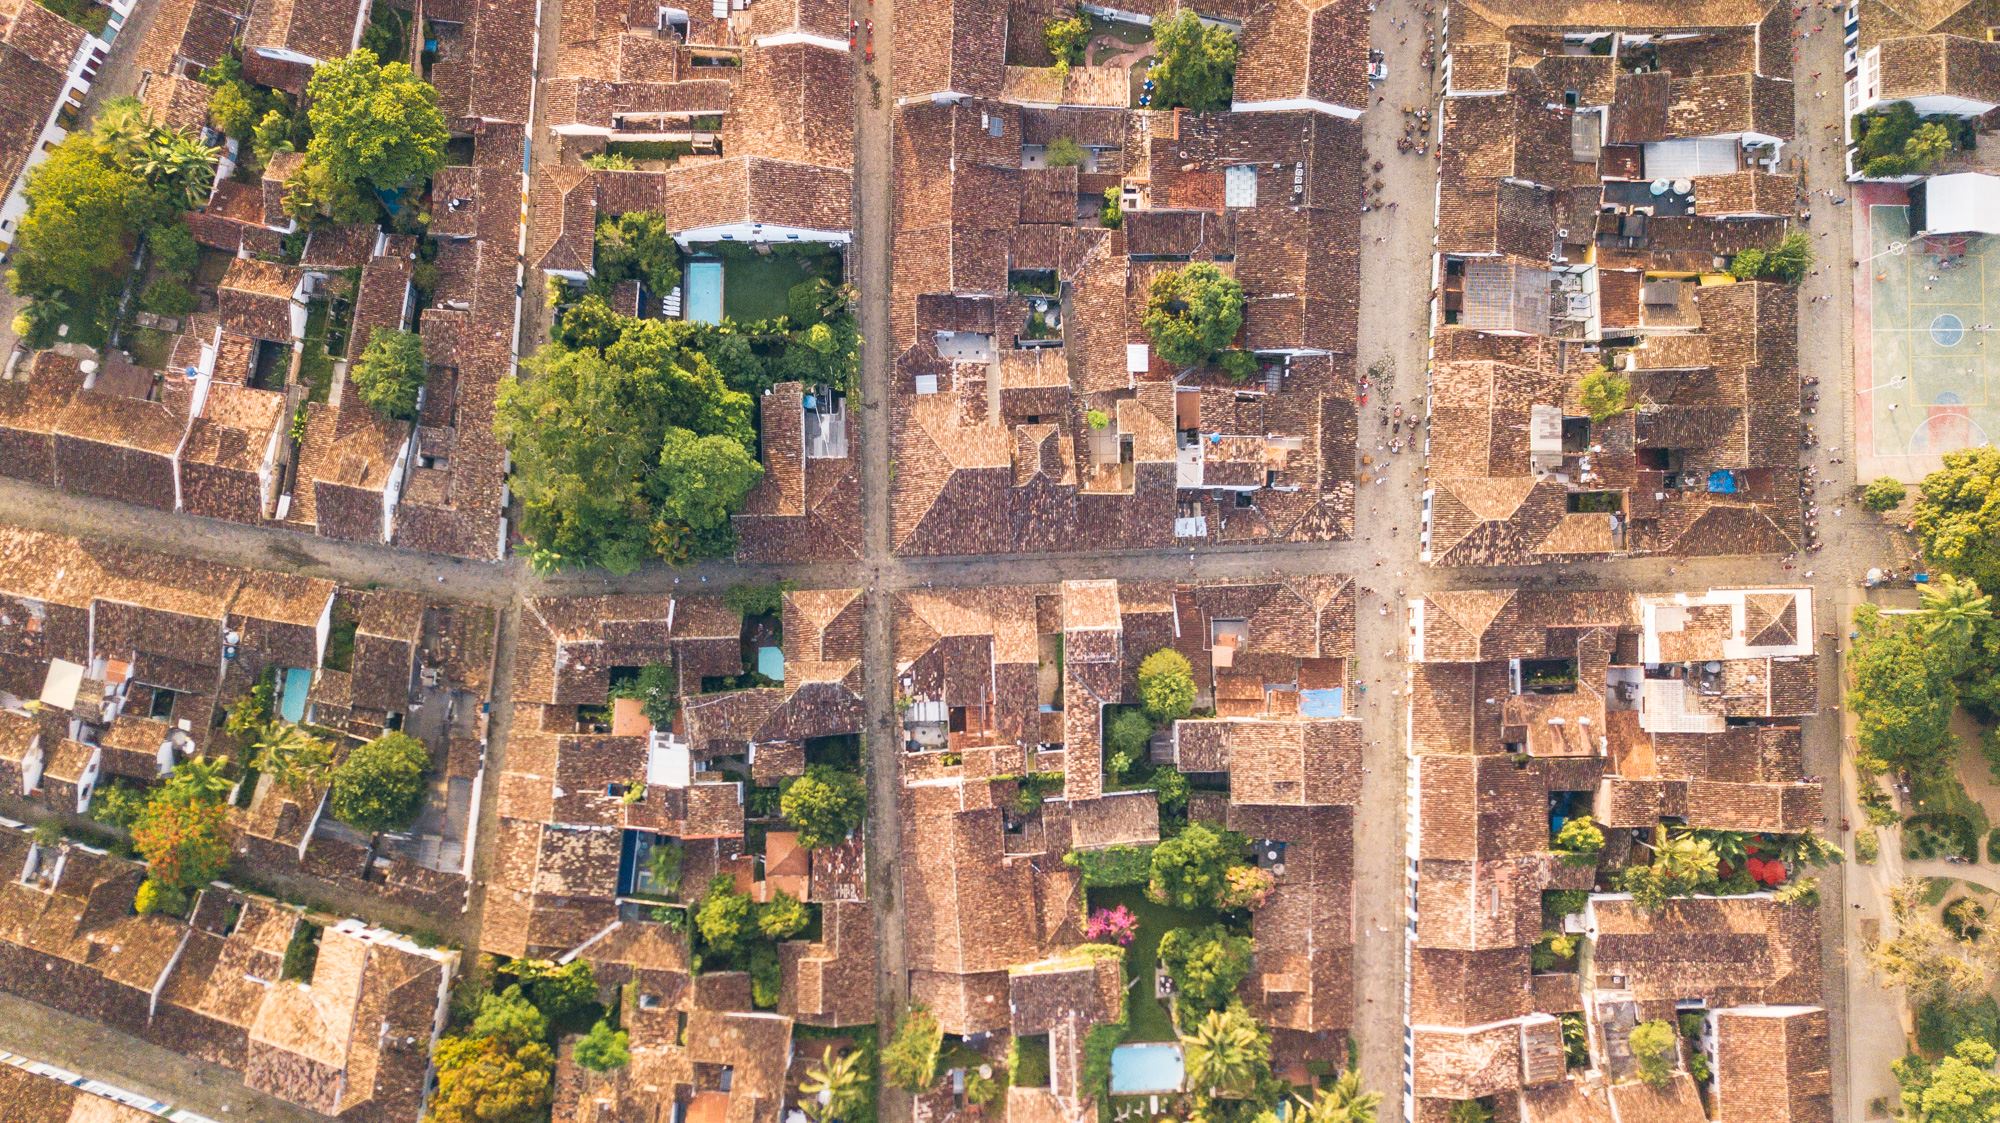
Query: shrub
[1173, 789]
[724, 917]
[1113, 867]
[1884, 494]
[1097, 419]
[1867, 847]
[1166, 685]
[167, 297]
[1579, 842]
[766, 977]
[185, 841]
[1130, 733]
[1247, 887]
[1117, 925]
[1558, 903]
[1553, 950]
[910, 1060]
[1112, 216]
[1238, 364]
[638, 244]
[1062, 152]
[604, 1048]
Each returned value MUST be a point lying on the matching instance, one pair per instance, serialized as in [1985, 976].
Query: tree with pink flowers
[1116, 924]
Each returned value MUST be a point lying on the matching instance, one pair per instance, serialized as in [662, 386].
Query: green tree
[198, 779]
[272, 135]
[910, 1060]
[1343, 1101]
[509, 1017]
[604, 1048]
[835, 1088]
[172, 248]
[1191, 869]
[1579, 842]
[1227, 1054]
[1952, 610]
[380, 786]
[1791, 258]
[1885, 494]
[638, 245]
[825, 805]
[1902, 695]
[1682, 865]
[1197, 63]
[1606, 394]
[185, 842]
[167, 297]
[783, 916]
[123, 126]
[725, 918]
[483, 1080]
[700, 482]
[587, 432]
[1066, 37]
[1931, 142]
[82, 213]
[559, 990]
[294, 759]
[180, 167]
[1961, 1088]
[1192, 312]
[1129, 733]
[1063, 152]
[1206, 965]
[1166, 685]
[390, 373]
[1238, 364]
[231, 110]
[1655, 1050]
[1958, 515]
[373, 124]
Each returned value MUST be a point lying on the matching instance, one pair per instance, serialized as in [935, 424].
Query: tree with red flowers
[1117, 924]
[185, 842]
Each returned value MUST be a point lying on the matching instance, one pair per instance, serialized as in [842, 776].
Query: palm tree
[1343, 1102]
[834, 1087]
[201, 778]
[1469, 1111]
[1729, 846]
[293, 758]
[1227, 1052]
[1953, 607]
[123, 127]
[181, 163]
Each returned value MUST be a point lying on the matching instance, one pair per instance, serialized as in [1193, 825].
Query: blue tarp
[1722, 481]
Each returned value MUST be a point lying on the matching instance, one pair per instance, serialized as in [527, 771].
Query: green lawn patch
[1147, 1016]
[756, 286]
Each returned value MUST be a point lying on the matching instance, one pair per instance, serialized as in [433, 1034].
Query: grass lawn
[1147, 1016]
[755, 286]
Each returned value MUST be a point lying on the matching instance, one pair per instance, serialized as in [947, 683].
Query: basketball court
[1928, 346]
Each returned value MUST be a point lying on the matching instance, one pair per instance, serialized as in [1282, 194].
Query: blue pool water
[292, 704]
[1139, 1069]
[771, 663]
[704, 292]
[1320, 703]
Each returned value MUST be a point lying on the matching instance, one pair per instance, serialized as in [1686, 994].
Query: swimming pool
[704, 292]
[292, 703]
[1140, 1069]
[771, 663]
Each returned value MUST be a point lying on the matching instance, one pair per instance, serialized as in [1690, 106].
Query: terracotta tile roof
[1314, 49]
[1773, 1065]
[319, 31]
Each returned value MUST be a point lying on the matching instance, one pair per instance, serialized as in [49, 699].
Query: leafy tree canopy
[380, 786]
[390, 373]
[1884, 494]
[484, 1080]
[1606, 394]
[185, 842]
[1197, 63]
[373, 124]
[910, 1060]
[1655, 1049]
[1958, 515]
[1902, 694]
[600, 478]
[1066, 37]
[1166, 685]
[825, 805]
[725, 917]
[83, 211]
[638, 245]
[1961, 1088]
[604, 1048]
[1206, 965]
[1192, 312]
[1191, 869]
